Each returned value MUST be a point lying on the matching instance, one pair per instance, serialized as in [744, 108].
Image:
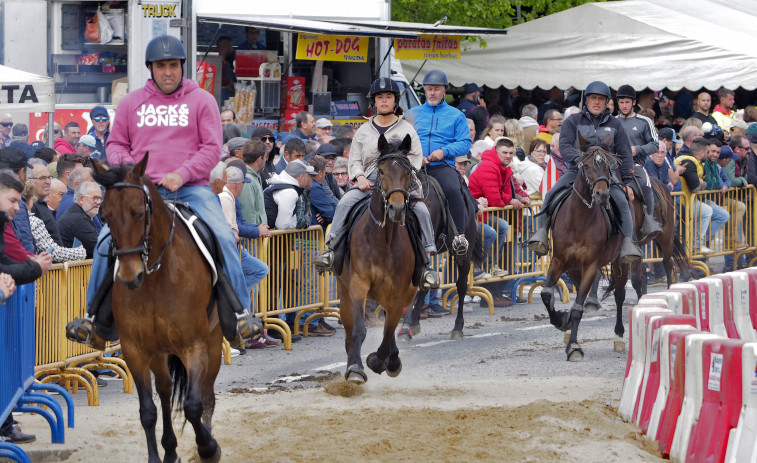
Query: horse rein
[598, 158]
[144, 247]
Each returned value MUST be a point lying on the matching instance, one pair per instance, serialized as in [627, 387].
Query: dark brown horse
[583, 241]
[162, 318]
[381, 263]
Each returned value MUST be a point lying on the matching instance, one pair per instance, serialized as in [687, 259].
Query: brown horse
[381, 263]
[162, 318]
[583, 241]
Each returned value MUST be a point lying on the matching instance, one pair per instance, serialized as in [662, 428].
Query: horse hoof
[403, 335]
[619, 345]
[215, 458]
[415, 330]
[375, 364]
[456, 335]
[566, 337]
[575, 353]
[592, 304]
[560, 319]
[356, 375]
[394, 373]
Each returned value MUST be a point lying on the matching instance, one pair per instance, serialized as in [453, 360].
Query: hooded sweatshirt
[181, 131]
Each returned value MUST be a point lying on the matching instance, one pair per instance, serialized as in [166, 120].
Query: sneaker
[705, 250]
[277, 336]
[498, 302]
[269, 342]
[18, 437]
[234, 352]
[429, 312]
[481, 276]
[438, 310]
[323, 323]
[320, 330]
[498, 272]
[717, 244]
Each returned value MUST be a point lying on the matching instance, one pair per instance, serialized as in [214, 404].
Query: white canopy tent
[23, 91]
[645, 43]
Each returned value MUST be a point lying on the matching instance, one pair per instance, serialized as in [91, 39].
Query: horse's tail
[179, 378]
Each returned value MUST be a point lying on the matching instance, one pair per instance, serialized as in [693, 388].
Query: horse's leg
[620, 273]
[592, 301]
[196, 368]
[377, 361]
[148, 412]
[573, 349]
[411, 324]
[357, 295]
[639, 278]
[163, 384]
[558, 318]
[463, 268]
[209, 381]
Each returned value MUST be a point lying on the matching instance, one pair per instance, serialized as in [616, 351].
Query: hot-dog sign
[332, 48]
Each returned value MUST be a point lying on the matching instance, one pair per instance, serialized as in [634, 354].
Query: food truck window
[87, 58]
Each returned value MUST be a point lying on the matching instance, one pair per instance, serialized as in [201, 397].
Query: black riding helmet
[626, 91]
[381, 85]
[165, 47]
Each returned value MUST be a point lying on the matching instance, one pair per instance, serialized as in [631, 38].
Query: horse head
[127, 210]
[394, 176]
[596, 165]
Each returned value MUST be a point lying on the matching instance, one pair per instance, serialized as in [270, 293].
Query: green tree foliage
[478, 13]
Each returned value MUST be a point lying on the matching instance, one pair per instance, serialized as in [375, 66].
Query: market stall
[23, 91]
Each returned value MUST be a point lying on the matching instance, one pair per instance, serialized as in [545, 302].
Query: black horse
[444, 231]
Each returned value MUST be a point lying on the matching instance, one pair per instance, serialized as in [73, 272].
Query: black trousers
[452, 185]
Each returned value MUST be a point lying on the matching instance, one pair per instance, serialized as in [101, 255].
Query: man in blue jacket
[444, 134]
[322, 206]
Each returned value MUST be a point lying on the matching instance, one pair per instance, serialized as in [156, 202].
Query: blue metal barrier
[17, 388]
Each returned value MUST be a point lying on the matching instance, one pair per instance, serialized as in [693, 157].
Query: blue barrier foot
[56, 429]
[63, 393]
[14, 452]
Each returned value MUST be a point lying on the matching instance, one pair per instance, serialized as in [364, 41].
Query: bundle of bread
[244, 102]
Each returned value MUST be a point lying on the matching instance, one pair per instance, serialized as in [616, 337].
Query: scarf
[543, 165]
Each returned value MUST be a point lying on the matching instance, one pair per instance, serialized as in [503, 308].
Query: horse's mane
[115, 174]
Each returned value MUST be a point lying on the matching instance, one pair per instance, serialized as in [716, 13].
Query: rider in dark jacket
[596, 125]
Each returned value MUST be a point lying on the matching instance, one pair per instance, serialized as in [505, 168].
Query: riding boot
[460, 245]
[650, 228]
[539, 241]
[629, 251]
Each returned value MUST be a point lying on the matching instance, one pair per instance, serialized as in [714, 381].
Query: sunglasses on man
[6, 124]
[100, 118]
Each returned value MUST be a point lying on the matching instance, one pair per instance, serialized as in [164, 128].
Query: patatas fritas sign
[319, 47]
[446, 47]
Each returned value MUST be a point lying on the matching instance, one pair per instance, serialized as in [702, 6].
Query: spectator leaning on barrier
[725, 158]
[77, 223]
[42, 181]
[287, 200]
[251, 201]
[692, 181]
[21, 273]
[322, 206]
[15, 160]
[657, 167]
[712, 175]
[41, 237]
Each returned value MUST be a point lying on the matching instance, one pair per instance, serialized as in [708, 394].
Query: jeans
[502, 228]
[706, 214]
[206, 205]
[719, 218]
[254, 270]
[490, 235]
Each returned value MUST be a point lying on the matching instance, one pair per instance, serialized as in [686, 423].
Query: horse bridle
[144, 246]
[590, 204]
[385, 198]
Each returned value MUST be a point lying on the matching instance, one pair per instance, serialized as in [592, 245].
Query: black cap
[471, 88]
[326, 149]
[13, 158]
[261, 131]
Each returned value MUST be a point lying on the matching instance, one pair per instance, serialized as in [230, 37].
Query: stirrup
[82, 330]
[460, 245]
[429, 280]
[249, 328]
[324, 260]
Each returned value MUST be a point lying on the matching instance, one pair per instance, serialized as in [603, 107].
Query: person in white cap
[323, 130]
[88, 147]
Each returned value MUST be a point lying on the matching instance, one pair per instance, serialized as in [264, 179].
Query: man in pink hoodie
[179, 124]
